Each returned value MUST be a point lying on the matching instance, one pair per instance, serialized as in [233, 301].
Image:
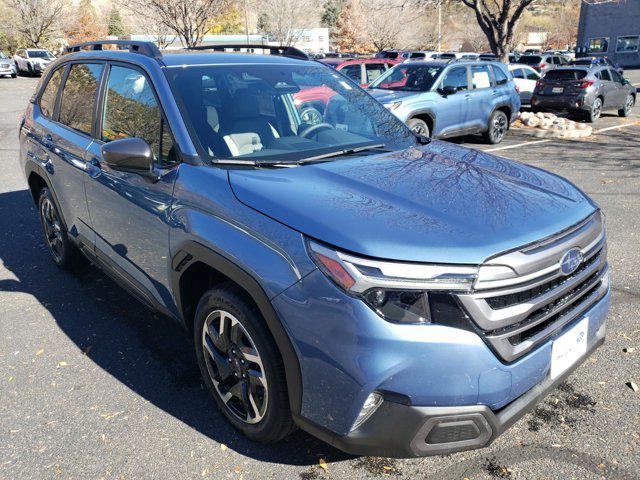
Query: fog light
[371, 404]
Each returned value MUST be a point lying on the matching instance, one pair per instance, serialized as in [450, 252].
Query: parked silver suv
[7, 66]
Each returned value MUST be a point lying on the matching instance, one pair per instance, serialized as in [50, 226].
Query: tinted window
[374, 70]
[627, 44]
[501, 78]
[616, 76]
[48, 98]
[565, 74]
[39, 54]
[78, 96]
[480, 76]
[530, 59]
[352, 71]
[604, 75]
[518, 73]
[131, 110]
[457, 78]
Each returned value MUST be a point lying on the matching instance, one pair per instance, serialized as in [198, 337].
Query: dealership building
[612, 29]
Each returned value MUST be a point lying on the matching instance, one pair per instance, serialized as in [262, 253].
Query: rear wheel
[63, 252]
[14, 75]
[596, 111]
[628, 106]
[418, 126]
[497, 127]
[240, 364]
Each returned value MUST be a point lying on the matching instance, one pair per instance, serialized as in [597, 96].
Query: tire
[628, 106]
[256, 404]
[62, 251]
[418, 126]
[596, 110]
[497, 127]
[14, 75]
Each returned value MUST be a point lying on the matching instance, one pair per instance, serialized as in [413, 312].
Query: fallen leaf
[62, 364]
[323, 464]
[223, 447]
[237, 470]
[87, 349]
[40, 352]
[628, 350]
[109, 416]
[633, 386]
[11, 379]
[601, 466]
[205, 472]
[386, 467]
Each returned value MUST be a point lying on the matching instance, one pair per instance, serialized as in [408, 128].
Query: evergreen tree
[115, 27]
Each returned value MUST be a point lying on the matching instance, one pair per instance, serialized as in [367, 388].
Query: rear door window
[480, 76]
[79, 95]
[518, 73]
[48, 98]
[531, 74]
[530, 59]
[374, 70]
[604, 75]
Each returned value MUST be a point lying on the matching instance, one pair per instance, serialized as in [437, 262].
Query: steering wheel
[316, 127]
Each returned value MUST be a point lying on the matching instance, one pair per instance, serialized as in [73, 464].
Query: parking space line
[537, 142]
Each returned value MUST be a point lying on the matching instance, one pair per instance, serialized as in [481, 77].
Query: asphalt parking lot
[94, 386]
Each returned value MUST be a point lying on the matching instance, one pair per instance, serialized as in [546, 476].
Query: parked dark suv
[389, 294]
[584, 92]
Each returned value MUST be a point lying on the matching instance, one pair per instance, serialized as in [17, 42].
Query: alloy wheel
[419, 130]
[596, 109]
[499, 127]
[52, 229]
[629, 104]
[235, 366]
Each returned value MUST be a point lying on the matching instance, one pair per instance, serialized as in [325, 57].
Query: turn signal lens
[336, 272]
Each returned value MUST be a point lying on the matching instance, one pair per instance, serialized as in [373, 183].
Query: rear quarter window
[501, 77]
[565, 75]
[78, 96]
[50, 93]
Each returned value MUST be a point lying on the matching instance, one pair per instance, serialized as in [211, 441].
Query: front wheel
[419, 127]
[497, 127]
[241, 365]
[14, 75]
[628, 106]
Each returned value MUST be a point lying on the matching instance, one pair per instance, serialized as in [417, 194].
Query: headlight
[397, 291]
[392, 106]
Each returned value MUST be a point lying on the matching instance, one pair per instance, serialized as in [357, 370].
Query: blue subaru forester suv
[389, 294]
[447, 99]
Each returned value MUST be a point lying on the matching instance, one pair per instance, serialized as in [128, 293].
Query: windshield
[565, 75]
[408, 78]
[280, 113]
[39, 54]
[530, 59]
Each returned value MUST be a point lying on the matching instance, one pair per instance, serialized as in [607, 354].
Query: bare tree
[285, 20]
[187, 19]
[498, 20]
[37, 20]
[392, 24]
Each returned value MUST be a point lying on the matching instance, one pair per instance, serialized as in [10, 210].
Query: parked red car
[312, 102]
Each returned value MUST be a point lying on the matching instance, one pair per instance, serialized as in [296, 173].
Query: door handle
[47, 141]
[467, 97]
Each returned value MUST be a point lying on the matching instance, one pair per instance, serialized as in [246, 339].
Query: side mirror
[132, 154]
[447, 90]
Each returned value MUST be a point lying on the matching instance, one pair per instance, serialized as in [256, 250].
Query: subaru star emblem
[571, 260]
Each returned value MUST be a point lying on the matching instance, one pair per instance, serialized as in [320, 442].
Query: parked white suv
[32, 61]
[525, 79]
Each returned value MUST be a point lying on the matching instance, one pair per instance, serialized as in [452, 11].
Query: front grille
[504, 301]
[515, 315]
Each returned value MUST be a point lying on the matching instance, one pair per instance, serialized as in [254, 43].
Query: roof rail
[273, 49]
[149, 49]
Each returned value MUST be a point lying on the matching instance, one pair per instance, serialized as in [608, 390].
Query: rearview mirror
[447, 90]
[133, 154]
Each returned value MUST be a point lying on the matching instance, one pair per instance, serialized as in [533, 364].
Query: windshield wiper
[346, 151]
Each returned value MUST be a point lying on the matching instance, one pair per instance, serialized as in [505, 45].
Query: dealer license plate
[569, 347]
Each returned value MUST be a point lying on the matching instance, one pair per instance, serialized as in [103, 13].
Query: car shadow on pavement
[153, 356]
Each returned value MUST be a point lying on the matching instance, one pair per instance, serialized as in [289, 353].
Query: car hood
[388, 96]
[438, 203]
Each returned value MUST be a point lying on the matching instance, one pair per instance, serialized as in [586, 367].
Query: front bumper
[397, 430]
[10, 70]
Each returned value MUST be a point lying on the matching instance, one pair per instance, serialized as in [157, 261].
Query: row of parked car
[449, 97]
[450, 94]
